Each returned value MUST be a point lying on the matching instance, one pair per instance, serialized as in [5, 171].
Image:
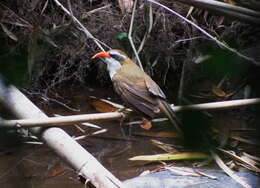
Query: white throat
[112, 66]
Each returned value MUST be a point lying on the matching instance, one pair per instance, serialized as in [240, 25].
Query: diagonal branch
[221, 44]
[83, 28]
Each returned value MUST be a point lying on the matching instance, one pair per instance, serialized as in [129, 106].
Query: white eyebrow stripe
[118, 54]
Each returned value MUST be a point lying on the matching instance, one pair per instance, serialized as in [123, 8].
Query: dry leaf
[217, 91]
[102, 105]
[248, 162]
[228, 171]
[164, 146]
[55, 171]
[162, 134]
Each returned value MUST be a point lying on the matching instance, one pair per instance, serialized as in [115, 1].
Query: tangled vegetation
[39, 39]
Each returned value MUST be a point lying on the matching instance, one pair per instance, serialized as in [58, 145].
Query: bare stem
[148, 31]
[83, 28]
[221, 6]
[130, 36]
[221, 44]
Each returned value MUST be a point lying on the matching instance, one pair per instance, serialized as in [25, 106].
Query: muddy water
[37, 166]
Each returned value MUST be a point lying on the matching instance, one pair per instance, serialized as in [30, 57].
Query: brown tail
[167, 110]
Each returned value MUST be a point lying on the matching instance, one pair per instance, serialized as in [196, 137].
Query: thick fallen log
[58, 140]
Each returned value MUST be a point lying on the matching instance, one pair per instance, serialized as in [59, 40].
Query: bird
[136, 88]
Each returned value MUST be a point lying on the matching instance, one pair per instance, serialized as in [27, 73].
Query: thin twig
[83, 28]
[148, 31]
[61, 103]
[87, 135]
[182, 80]
[21, 19]
[130, 32]
[231, 104]
[70, 9]
[213, 5]
[44, 7]
[85, 15]
[187, 40]
[166, 71]
[221, 44]
[62, 120]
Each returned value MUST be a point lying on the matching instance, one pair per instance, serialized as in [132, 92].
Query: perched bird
[135, 87]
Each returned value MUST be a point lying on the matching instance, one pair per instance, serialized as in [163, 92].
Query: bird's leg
[126, 111]
[121, 126]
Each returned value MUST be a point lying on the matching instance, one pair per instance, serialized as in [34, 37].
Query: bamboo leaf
[171, 156]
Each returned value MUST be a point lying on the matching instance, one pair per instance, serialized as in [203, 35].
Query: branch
[237, 11]
[221, 44]
[68, 120]
[83, 28]
[224, 105]
[61, 120]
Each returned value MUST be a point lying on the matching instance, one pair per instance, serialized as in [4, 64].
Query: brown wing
[153, 87]
[132, 72]
[138, 98]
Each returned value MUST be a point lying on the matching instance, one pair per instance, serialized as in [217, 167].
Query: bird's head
[114, 60]
[117, 55]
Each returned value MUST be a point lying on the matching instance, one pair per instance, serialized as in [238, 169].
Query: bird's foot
[147, 124]
[122, 109]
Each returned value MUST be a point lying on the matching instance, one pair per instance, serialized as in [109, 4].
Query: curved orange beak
[101, 54]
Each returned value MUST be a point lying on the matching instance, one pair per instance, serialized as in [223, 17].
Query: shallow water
[29, 165]
[37, 166]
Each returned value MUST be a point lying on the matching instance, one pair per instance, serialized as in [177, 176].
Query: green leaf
[122, 35]
[171, 156]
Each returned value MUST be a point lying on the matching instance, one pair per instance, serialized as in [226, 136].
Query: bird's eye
[117, 56]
